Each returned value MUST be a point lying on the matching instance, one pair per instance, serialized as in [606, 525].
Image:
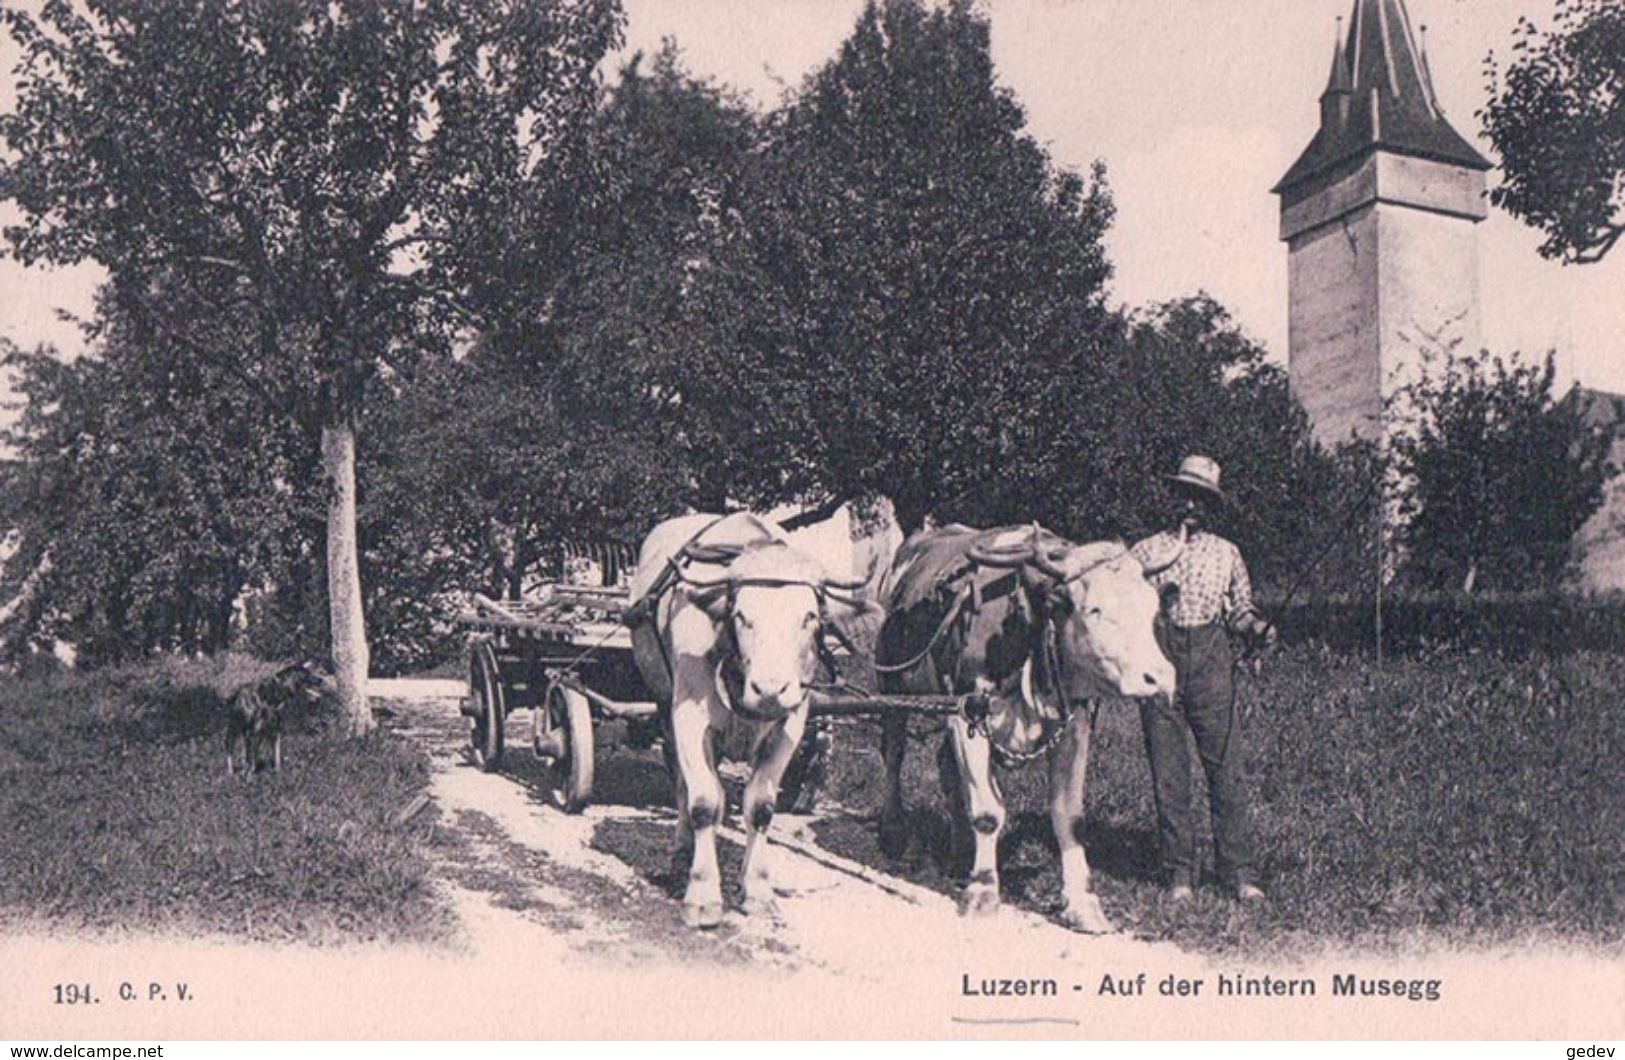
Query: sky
[1196, 106]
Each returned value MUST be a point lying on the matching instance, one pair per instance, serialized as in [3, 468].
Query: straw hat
[1201, 472]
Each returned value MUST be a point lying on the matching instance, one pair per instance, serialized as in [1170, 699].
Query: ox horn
[1051, 561]
[1152, 569]
[719, 581]
[1054, 563]
[1068, 563]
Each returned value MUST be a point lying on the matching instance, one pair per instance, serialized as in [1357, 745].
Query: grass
[119, 814]
[1456, 798]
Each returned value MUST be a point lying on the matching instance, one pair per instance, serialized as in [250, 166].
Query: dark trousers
[1204, 706]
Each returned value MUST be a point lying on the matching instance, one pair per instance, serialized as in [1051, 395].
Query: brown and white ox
[1041, 626]
[730, 630]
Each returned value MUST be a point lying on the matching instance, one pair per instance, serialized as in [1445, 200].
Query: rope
[1010, 759]
[1052, 661]
[586, 652]
[947, 622]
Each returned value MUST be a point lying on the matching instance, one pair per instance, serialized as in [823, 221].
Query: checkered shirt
[1211, 577]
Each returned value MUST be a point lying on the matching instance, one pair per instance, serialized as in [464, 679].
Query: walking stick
[1254, 659]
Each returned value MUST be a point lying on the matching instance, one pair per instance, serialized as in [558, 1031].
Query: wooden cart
[566, 655]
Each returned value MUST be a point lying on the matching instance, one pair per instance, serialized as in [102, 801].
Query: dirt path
[602, 881]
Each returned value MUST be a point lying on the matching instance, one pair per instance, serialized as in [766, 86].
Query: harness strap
[644, 609]
[1044, 656]
[948, 619]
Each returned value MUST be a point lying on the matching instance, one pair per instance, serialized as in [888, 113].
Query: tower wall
[1333, 331]
[1382, 265]
[1427, 298]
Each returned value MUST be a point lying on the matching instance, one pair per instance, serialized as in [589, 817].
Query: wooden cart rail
[566, 655]
[581, 615]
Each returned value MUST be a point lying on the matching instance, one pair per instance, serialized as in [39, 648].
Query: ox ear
[1048, 595]
[1057, 601]
[853, 620]
[715, 600]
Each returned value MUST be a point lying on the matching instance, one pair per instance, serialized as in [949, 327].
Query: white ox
[733, 635]
[1039, 626]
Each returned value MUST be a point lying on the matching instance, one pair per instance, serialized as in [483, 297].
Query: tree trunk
[350, 655]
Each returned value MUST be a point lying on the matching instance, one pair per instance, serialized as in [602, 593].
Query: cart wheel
[485, 687]
[563, 738]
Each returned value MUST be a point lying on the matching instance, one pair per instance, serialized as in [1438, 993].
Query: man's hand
[1260, 633]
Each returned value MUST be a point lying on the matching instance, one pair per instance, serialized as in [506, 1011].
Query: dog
[254, 716]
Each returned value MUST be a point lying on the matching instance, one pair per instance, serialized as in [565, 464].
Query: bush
[1515, 626]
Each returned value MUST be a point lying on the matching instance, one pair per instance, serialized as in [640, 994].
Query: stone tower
[1379, 214]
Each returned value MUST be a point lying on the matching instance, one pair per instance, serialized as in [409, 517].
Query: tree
[293, 164]
[566, 423]
[478, 476]
[1181, 378]
[1557, 118]
[913, 283]
[566, 420]
[1496, 474]
[647, 317]
[151, 496]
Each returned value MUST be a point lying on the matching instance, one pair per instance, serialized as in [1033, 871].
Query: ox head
[770, 605]
[1104, 613]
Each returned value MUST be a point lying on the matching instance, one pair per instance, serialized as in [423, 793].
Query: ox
[727, 625]
[1037, 626]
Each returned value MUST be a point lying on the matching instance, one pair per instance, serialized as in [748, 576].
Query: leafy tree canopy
[281, 157]
[1557, 118]
[152, 493]
[916, 276]
[1186, 379]
[564, 423]
[337, 175]
[1497, 474]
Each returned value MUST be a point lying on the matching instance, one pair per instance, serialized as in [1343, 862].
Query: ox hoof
[1087, 916]
[752, 905]
[893, 837]
[702, 916]
[979, 900]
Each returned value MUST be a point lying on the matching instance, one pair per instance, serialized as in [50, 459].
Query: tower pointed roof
[1341, 82]
[1392, 105]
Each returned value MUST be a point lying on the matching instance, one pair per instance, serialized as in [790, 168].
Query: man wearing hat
[1207, 597]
